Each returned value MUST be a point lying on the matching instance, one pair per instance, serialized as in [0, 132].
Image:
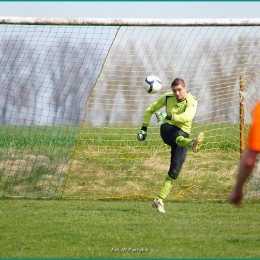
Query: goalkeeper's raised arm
[158, 104]
[180, 109]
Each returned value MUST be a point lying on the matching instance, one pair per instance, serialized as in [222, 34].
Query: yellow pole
[241, 114]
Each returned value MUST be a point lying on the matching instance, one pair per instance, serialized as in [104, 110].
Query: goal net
[72, 104]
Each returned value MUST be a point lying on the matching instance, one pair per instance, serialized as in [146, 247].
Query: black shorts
[169, 133]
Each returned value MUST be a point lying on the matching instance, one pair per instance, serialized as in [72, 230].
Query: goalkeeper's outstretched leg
[194, 144]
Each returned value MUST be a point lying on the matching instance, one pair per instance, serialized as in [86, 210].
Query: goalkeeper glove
[142, 133]
[160, 116]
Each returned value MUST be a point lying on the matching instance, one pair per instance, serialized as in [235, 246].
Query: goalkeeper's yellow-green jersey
[182, 111]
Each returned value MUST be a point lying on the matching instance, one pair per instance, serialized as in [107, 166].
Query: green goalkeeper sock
[166, 188]
[183, 142]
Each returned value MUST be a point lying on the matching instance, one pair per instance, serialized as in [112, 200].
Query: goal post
[72, 104]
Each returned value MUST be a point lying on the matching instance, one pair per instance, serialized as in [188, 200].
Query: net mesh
[72, 104]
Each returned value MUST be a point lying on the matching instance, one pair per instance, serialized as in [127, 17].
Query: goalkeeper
[180, 109]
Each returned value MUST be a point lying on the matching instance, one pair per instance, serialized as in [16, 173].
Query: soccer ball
[152, 84]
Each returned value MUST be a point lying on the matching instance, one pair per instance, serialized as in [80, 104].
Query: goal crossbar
[129, 22]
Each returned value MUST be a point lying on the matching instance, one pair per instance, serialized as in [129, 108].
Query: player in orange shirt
[248, 160]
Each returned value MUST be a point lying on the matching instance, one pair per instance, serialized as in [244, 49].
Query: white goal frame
[134, 22]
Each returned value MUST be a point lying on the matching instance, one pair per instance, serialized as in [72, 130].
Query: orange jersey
[254, 133]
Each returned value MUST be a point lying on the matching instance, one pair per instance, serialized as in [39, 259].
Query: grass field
[58, 161]
[198, 222]
[127, 229]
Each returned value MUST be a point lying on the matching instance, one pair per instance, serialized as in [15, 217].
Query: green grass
[217, 136]
[38, 136]
[104, 229]
[111, 162]
[36, 162]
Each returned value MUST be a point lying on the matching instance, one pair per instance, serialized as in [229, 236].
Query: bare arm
[246, 167]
